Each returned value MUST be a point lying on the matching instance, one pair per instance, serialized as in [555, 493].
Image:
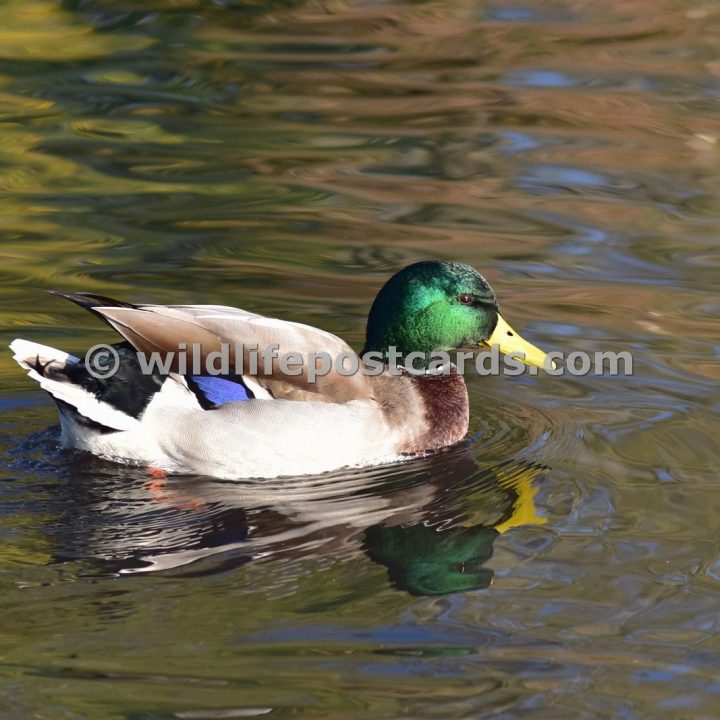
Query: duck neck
[395, 344]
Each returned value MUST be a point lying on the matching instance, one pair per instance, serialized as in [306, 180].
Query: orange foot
[161, 493]
[158, 480]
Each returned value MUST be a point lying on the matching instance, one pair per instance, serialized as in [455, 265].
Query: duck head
[433, 306]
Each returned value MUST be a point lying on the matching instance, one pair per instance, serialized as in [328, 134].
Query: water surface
[287, 157]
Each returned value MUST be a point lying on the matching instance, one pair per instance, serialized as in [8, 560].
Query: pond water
[287, 157]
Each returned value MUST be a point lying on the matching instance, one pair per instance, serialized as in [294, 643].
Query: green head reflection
[423, 561]
[430, 558]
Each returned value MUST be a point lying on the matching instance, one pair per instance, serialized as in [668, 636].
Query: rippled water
[286, 157]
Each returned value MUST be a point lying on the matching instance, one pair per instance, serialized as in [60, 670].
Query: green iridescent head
[431, 306]
[434, 306]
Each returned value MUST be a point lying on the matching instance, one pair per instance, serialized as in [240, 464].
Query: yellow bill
[509, 341]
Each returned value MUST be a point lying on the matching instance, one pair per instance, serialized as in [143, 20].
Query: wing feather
[162, 329]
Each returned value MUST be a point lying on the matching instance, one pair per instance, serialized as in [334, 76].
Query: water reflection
[431, 523]
[286, 157]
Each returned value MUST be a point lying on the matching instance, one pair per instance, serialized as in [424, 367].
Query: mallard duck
[275, 419]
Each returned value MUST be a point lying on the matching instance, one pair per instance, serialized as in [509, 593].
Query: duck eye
[466, 299]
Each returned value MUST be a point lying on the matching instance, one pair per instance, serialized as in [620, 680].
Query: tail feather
[48, 366]
[24, 351]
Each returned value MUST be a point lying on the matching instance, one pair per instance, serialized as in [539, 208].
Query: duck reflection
[431, 523]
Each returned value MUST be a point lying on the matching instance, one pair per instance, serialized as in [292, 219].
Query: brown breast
[446, 409]
[430, 411]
